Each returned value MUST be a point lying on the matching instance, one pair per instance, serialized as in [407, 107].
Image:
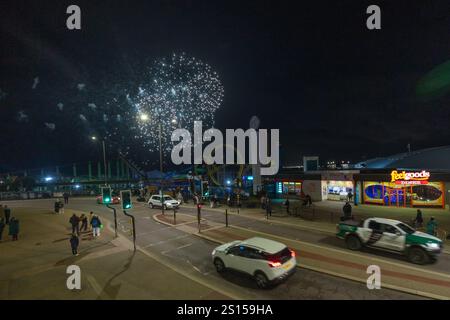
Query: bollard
[174, 216]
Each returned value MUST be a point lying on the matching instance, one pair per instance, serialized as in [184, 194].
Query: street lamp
[94, 138]
[144, 117]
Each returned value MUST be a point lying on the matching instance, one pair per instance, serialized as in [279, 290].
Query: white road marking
[178, 248]
[165, 241]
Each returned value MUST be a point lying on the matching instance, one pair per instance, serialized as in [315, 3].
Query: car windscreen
[168, 198]
[406, 228]
[282, 256]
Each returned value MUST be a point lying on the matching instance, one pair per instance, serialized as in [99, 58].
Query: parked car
[267, 261]
[390, 235]
[115, 199]
[169, 202]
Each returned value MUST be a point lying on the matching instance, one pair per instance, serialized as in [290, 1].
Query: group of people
[11, 222]
[431, 226]
[95, 225]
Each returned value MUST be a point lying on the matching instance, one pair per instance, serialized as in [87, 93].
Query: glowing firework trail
[179, 91]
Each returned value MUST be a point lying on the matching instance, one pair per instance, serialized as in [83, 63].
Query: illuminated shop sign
[403, 177]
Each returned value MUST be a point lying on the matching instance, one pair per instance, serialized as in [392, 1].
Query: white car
[265, 260]
[169, 202]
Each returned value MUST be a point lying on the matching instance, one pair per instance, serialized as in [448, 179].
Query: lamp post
[94, 138]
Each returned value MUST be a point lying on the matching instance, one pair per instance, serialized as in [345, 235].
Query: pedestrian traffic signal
[106, 195]
[126, 199]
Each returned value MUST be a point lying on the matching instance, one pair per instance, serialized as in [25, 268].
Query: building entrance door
[396, 197]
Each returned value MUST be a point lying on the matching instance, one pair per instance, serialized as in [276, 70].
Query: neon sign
[403, 177]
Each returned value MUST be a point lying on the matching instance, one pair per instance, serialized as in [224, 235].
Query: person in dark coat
[419, 219]
[14, 228]
[7, 212]
[56, 206]
[84, 223]
[74, 242]
[287, 205]
[2, 227]
[66, 198]
[347, 209]
[268, 206]
[75, 222]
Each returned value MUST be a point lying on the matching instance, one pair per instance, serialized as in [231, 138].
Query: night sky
[334, 88]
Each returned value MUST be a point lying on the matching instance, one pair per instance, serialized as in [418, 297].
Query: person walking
[432, 227]
[56, 206]
[84, 223]
[74, 242]
[14, 228]
[347, 209]
[268, 207]
[7, 212]
[91, 215]
[2, 227]
[418, 222]
[287, 205]
[350, 196]
[66, 198]
[61, 207]
[75, 222]
[96, 225]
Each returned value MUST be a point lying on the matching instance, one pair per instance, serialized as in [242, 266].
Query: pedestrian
[269, 206]
[7, 212]
[91, 215]
[96, 225]
[347, 209]
[263, 202]
[74, 242]
[287, 205]
[350, 196]
[2, 227]
[84, 223]
[61, 206]
[14, 228]
[56, 206]
[432, 227]
[75, 222]
[66, 198]
[308, 200]
[418, 222]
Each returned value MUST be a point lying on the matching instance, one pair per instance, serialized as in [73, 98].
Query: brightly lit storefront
[405, 189]
[289, 187]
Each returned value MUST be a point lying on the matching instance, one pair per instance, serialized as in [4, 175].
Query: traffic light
[106, 195]
[126, 199]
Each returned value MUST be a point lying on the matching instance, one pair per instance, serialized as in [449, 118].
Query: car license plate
[287, 266]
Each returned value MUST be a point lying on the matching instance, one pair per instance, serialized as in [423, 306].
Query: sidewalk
[34, 267]
[346, 264]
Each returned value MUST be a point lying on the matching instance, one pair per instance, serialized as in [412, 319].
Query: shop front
[400, 188]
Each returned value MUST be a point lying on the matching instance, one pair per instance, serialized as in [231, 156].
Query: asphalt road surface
[193, 255]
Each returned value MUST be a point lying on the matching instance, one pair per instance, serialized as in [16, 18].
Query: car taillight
[274, 264]
[292, 253]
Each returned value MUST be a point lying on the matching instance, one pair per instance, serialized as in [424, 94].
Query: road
[192, 256]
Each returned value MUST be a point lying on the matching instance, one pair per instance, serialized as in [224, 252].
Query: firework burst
[178, 91]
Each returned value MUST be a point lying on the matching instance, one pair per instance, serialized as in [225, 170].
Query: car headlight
[433, 245]
[214, 252]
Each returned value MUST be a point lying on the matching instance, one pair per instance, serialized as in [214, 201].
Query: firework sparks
[179, 91]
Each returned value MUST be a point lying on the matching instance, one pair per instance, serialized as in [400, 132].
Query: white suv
[266, 260]
[169, 202]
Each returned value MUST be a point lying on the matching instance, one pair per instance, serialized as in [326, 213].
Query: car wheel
[151, 205]
[261, 280]
[418, 256]
[220, 266]
[353, 243]
[165, 207]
